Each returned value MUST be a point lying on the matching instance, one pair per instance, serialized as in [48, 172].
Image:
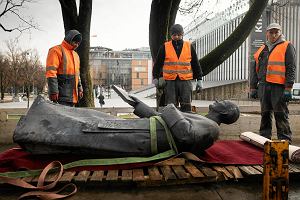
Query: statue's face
[226, 111]
[218, 106]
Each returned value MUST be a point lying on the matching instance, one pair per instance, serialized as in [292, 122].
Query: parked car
[296, 91]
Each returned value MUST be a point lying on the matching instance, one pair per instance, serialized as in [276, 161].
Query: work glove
[253, 94]
[199, 86]
[155, 82]
[80, 94]
[287, 95]
[53, 97]
[159, 83]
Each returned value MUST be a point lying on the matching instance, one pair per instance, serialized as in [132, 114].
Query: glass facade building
[129, 69]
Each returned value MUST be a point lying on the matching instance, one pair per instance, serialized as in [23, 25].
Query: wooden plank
[172, 161]
[180, 172]
[154, 174]
[126, 175]
[82, 176]
[167, 173]
[196, 173]
[291, 170]
[295, 168]
[51, 177]
[35, 179]
[248, 170]
[112, 175]
[67, 176]
[224, 172]
[97, 175]
[234, 171]
[138, 175]
[259, 168]
[208, 172]
[28, 179]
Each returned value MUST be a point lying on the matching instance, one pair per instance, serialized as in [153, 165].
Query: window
[296, 92]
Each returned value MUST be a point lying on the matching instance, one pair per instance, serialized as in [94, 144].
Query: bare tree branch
[189, 6]
[12, 8]
[272, 8]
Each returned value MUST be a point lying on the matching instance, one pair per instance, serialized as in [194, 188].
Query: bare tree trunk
[162, 17]
[1, 86]
[27, 94]
[85, 13]
[82, 23]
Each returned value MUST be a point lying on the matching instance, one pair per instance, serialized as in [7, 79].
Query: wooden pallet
[170, 173]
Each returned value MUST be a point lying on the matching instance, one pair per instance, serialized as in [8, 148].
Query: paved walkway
[116, 101]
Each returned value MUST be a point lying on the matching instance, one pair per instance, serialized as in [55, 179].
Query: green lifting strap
[93, 162]
[168, 133]
[153, 135]
[114, 161]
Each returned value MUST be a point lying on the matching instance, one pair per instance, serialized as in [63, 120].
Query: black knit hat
[77, 38]
[176, 29]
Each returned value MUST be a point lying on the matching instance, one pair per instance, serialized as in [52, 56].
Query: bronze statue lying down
[50, 128]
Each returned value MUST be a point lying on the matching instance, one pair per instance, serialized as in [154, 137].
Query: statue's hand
[141, 109]
[134, 101]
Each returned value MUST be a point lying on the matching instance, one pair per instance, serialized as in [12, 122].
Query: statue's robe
[49, 128]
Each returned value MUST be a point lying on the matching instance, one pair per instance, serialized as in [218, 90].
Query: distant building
[233, 74]
[131, 68]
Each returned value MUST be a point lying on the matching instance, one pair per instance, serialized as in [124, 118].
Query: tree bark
[1, 86]
[162, 17]
[81, 23]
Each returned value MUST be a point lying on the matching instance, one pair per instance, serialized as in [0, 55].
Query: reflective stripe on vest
[64, 60]
[174, 66]
[276, 63]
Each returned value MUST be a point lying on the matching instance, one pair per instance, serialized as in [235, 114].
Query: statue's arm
[192, 132]
[142, 110]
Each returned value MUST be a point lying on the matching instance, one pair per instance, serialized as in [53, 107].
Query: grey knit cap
[71, 34]
[176, 29]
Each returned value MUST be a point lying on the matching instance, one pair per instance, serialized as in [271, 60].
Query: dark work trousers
[271, 100]
[179, 92]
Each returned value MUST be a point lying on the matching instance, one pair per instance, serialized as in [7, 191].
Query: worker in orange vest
[63, 71]
[272, 78]
[178, 64]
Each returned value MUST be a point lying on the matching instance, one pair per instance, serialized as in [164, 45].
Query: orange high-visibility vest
[276, 63]
[63, 62]
[173, 66]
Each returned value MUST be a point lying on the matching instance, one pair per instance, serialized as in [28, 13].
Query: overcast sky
[117, 24]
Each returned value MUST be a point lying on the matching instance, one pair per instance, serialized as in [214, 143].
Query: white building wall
[209, 36]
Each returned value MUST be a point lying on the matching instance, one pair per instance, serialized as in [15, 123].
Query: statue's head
[226, 111]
